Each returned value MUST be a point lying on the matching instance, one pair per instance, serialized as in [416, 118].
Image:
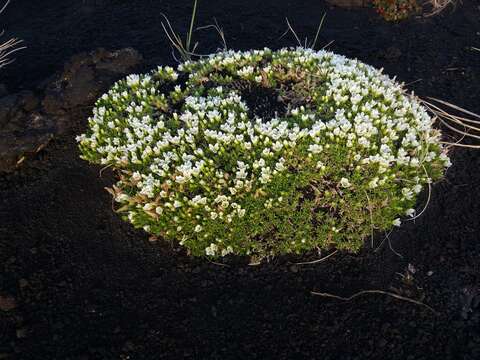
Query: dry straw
[10, 46]
[438, 6]
[468, 127]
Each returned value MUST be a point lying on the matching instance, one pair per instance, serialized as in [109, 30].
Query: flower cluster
[343, 152]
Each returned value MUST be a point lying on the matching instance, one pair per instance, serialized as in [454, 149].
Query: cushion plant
[264, 152]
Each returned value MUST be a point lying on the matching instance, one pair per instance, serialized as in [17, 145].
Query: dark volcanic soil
[81, 284]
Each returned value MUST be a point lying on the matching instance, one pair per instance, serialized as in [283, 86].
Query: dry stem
[318, 260]
[396, 296]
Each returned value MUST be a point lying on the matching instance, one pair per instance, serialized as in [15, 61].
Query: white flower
[396, 222]
[407, 193]
[227, 251]
[345, 183]
[211, 250]
[417, 188]
[315, 148]
[148, 206]
[373, 183]
[241, 212]
[410, 212]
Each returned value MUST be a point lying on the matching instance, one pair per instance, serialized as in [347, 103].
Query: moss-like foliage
[395, 10]
[264, 152]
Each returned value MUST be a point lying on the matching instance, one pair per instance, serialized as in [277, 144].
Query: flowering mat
[76, 282]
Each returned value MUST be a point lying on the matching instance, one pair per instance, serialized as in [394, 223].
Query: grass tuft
[305, 44]
[184, 47]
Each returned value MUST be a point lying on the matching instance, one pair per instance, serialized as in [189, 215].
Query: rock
[86, 76]
[7, 303]
[26, 136]
[349, 4]
[15, 106]
[22, 131]
[7, 109]
[27, 124]
[118, 62]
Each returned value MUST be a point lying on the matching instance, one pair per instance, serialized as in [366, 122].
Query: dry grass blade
[463, 122]
[218, 263]
[297, 38]
[396, 296]
[103, 169]
[428, 197]
[328, 44]
[458, 108]
[460, 145]
[175, 40]
[192, 20]
[8, 48]
[456, 143]
[460, 131]
[383, 241]
[312, 45]
[4, 6]
[290, 28]
[318, 260]
[391, 247]
[219, 30]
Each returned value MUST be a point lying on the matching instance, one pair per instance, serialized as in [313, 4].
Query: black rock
[27, 124]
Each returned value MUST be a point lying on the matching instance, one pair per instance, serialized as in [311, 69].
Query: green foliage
[264, 152]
